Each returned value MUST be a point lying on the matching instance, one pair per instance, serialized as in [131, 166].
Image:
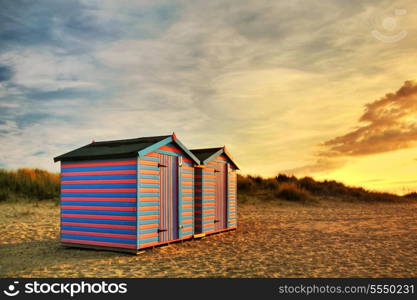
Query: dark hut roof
[205, 155]
[106, 149]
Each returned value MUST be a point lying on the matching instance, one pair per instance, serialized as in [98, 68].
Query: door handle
[216, 221]
[162, 230]
[160, 165]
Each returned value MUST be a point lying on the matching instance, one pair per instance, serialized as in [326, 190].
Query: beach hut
[215, 191]
[127, 194]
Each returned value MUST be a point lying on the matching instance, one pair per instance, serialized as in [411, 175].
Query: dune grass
[28, 184]
[38, 185]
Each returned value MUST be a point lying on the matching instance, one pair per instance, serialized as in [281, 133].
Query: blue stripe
[98, 221]
[97, 177]
[146, 167]
[97, 160]
[144, 222]
[187, 209]
[149, 185]
[143, 241]
[150, 230]
[105, 230]
[97, 238]
[188, 171]
[99, 168]
[149, 203]
[94, 203]
[187, 194]
[98, 186]
[148, 176]
[98, 212]
[150, 158]
[187, 217]
[150, 212]
[149, 194]
[105, 195]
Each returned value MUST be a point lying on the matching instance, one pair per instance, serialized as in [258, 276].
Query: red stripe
[112, 172]
[95, 164]
[93, 225]
[98, 199]
[108, 244]
[101, 234]
[98, 181]
[172, 149]
[103, 217]
[111, 208]
[98, 190]
[187, 160]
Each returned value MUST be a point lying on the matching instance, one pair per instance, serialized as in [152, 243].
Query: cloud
[387, 124]
[390, 124]
[5, 73]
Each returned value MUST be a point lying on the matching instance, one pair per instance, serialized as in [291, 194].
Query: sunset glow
[324, 89]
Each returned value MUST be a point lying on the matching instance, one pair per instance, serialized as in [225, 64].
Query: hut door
[168, 218]
[220, 221]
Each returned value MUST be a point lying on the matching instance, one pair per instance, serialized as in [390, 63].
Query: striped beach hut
[215, 191]
[127, 194]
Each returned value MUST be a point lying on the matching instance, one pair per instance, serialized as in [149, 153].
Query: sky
[312, 88]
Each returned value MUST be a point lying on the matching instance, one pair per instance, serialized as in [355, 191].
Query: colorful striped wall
[152, 195]
[206, 193]
[232, 198]
[98, 202]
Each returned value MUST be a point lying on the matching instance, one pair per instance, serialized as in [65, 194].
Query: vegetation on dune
[36, 184]
[291, 188]
[28, 184]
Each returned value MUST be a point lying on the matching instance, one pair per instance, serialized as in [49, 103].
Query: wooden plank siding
[149, 196]
[98, 203]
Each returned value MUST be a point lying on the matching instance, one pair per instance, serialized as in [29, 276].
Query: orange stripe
[148, 226]
[185, 175]
[149, 190]
[148, 235]
[187, 190]
[171, 149]
[187, 206]
[150, 217]
[149, 208]
[150, 244]
[187, 229]
[146, 180]
[148, 163]
[187, 213]
[153, 154]
[149, 172]
[187, 198]
[149, 199]
[187, 221]
[221, 158]
[187, 183]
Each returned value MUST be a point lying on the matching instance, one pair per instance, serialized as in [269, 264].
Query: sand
[337, 240]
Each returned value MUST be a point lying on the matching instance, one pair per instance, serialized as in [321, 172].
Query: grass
[253, 189]
[38, 185]
[28, 184]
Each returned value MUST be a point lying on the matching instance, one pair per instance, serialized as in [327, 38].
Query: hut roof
[207, 154]
[119, 148]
